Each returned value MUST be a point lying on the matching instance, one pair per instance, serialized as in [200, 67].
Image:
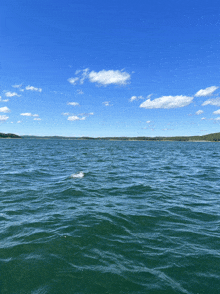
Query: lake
[109, 217]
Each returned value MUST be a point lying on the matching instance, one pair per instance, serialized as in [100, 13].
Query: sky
[109, 68]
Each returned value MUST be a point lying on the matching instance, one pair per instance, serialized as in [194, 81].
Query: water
[109, 217]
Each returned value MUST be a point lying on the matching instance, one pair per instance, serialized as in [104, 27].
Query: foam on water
[77, 175]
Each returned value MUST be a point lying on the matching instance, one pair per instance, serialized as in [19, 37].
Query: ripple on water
[109, 217]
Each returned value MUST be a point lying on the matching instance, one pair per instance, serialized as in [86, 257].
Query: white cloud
[85, 114]
[73, 103]
[206, 92]
[139, 97]
[199, 112]
[103, 77]
[5, 109]
[75, 117]
[31, 115]
[217, 111]
[148, 121]
[84, 75]
[133, 98]
[214, 101]
[203, 118]
[6, 100]
[26, 114]
[167, 102]
[31, 88]
[80, 92]
[17, 86]
[73, 80]
[81, 116]
[3, 117]
[19, 121]
[107, 77]
[106, 103]
[11, 94]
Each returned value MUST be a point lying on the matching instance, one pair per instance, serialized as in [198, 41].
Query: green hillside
[9, 136]
[215, 137]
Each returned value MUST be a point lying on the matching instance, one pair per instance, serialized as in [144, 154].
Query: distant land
[215, 137]
[9, 136]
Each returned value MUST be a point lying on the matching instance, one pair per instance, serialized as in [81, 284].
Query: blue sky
[110, 68]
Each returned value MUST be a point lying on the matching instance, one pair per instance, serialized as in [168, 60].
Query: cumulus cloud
[5, 109]
[3, 117]
[31, 88]
[217, 111]
[19, 121]
[65, 113]
[133, 98]
[167, 102]
[206, 92]
[26, 114]
[148, 121]
[199, 112]
[3, 100]
[107, 77]
[11, 94]
[214, 101]
[83, 75]
[37, 118]
[103, 77]
[73, 80]
[75, 117]
[218, 118]
[29, 114]
[73, 103]
[203, 118]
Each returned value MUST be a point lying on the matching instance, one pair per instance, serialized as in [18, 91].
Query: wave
[78, 175]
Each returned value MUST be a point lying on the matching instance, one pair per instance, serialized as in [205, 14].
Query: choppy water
[109, 217]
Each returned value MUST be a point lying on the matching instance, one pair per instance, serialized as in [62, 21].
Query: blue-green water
[141, 217]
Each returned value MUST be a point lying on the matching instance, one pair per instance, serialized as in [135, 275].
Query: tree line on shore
[215, 137]
[9, 136]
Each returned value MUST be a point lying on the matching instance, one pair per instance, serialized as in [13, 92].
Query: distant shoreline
[215, 137]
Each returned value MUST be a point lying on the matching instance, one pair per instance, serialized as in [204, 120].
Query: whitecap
[77, 175]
